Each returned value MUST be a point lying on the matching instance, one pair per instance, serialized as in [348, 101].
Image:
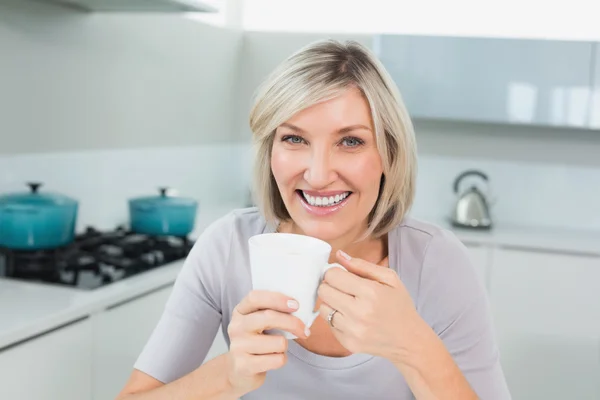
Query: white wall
[73, 80]
[541, 177]
[571, 20]
[105, 107]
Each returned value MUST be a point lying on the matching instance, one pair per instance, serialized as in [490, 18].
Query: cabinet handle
[139, 296]
[44, 333]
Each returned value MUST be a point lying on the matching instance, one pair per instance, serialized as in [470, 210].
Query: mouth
[323, 205]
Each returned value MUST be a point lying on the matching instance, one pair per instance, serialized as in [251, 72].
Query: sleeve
[192, 314]
[454, 302]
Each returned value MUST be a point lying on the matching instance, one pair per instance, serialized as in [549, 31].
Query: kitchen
[108, 107]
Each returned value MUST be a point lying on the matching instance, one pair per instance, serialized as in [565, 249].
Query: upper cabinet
[138, 5]
[595, 110]
[539, 82]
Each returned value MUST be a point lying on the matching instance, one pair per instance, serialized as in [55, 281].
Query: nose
[320, 172]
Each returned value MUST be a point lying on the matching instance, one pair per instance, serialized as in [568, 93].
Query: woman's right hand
[251, 352]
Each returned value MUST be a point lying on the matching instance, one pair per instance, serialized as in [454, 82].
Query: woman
[408, 319]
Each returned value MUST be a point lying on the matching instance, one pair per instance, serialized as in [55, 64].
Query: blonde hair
[317, 73]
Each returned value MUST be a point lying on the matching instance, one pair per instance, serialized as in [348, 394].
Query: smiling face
[327, 167]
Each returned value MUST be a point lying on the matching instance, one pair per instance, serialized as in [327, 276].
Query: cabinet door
[547, 313]
[490, 79]
[120, 334]
[53, 366]
[595, 110]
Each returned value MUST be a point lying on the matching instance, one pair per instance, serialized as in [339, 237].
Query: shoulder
[425, 233]
[241, 222]
[208, 263]
[227, 232]
[439, 270]
[428, 243]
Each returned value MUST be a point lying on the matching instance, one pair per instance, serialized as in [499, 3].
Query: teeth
[325, 201]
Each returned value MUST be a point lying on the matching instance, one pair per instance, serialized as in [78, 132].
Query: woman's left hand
[375, 313]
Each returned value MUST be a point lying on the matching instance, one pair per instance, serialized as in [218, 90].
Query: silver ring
[330, 318]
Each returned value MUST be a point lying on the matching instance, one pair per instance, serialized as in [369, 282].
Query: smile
[323, 205]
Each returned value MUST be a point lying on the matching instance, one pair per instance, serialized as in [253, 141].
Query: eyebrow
[345, 129]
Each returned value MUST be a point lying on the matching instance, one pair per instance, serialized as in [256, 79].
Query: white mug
[293, 265]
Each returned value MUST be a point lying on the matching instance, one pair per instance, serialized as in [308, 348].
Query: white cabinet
[53, 366]
[490, 79]
[595, 110]
[120, 334]
[546, 308]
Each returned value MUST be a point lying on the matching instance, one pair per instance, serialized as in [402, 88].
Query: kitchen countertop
[532, 238]
[28, 309]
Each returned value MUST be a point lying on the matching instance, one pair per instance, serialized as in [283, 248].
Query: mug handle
[326, 268]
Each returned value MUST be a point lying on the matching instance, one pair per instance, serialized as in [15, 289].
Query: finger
[336, 299]
[260, 344]
[262, 300]
[260, 321]
[338, 321]
[368, 270]
[267, 362]
[344, 281]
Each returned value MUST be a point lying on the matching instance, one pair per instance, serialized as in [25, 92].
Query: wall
[88, 81]
[540, 177]
[103, 107]
[570, 20]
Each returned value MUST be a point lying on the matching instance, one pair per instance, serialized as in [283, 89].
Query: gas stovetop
[94, 258]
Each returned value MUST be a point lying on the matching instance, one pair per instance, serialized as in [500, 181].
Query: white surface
[119, 337]
[547, 318]
[73, 81]
[538, 82]
[52, 367]
[542, 239]
[27, 309]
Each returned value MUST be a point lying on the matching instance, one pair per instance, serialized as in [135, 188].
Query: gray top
[431, 262]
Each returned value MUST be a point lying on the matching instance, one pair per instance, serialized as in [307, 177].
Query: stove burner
[94, 258]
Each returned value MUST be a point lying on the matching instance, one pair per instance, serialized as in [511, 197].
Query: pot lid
[165, 199]
[36, 199]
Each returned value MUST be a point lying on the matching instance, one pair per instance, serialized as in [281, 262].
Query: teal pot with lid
[163, 214]
[36, 220]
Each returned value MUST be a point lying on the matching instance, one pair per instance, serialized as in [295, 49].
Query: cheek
[365, 173]
[283, 165]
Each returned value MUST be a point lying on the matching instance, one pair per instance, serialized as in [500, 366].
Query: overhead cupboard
[496, 80]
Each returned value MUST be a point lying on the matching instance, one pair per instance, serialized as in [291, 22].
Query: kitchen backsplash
[103, 180]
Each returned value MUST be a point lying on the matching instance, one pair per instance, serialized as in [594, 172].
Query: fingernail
[346, 256]
[293, 304]
[307, 332]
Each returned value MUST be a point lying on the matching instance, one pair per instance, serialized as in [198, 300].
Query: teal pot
[34, 220]
[163, 215]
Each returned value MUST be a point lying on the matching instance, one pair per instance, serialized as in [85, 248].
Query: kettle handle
[470, 172]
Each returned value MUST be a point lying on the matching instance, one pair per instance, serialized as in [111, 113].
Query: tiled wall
[103, 180]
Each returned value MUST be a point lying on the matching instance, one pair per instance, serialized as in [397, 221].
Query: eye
[292, 139]
[351, 141]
